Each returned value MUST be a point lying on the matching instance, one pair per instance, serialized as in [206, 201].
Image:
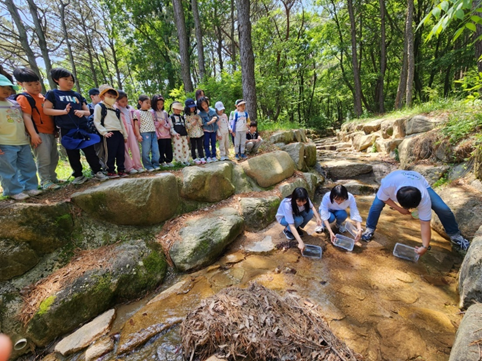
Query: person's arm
[301, 244]
[395, 206]
[426, 233]
[35, 139]
[85, 112]
[355, 215]
[49, 109]
[330, 231]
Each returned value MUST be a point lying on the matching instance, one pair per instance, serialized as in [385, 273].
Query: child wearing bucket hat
[239, 127]
[108, 122]
[17, 167]
[179, 134]
[70, 112]
[223, 131]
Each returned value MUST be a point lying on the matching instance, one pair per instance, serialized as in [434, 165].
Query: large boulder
[387, 146]
[366, 141]
[270, 168]
[399, 128]
[466, 204]
[420, 124]
[211, 183]
[284, 136]
[467, 339]
[202, 241]
[310, 154]
[43, 228]
[372, 126]
[297, 153]
[259, 213]
[88, 286]
[15, 259]
[287, 189]
[387, 128]
[470, 275]
[136, 201]
[344, 169]
[432, 174]
[299, 135]
[242, 183]
[406, 151]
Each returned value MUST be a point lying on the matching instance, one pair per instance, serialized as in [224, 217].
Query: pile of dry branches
[259, 324]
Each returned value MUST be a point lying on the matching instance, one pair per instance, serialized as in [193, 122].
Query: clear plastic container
[351, 228]
[406, 252]
[312, 251]
[344, 242]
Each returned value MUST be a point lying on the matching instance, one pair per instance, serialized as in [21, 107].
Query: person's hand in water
[301, 246]
[5, 347]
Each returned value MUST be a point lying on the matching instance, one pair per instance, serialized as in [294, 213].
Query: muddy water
[383, 307]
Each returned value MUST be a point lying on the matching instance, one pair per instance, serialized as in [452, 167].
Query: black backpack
[31, 101]
[90, 120]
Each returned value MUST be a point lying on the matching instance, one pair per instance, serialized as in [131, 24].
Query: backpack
[90, 120]
[180, 129]
[31, 102]
[236, 119]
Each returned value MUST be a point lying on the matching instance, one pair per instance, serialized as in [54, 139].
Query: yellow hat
[104, 88]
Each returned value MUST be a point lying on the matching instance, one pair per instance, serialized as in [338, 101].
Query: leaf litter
[259, 324]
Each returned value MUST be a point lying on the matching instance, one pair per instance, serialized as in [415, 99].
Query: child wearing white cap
[223, 131]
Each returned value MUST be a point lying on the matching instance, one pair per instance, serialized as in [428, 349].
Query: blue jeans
[438, 205]
[18, 172]
[210, 138]
[340, 216]
[301, 220]
[150, 145]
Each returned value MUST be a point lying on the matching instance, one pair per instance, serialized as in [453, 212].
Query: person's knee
[332, 218]
[298, 221]
[341, 215]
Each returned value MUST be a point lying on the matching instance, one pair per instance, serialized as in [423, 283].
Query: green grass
[270, 126]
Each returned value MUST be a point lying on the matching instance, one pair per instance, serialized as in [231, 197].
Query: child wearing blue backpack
[239, 120]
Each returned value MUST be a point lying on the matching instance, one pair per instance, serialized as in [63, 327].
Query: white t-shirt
[285, 210]
[404, 178]
[326, 206]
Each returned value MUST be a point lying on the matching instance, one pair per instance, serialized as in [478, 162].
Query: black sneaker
[300, 232]
[288, 234]
[367, 236]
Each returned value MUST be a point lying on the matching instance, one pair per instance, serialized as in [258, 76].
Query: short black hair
[122, 95]
[253, 124]
[142, 98]
[57, 73]
[94, 91]
[25, 75]
[409, 197]
[200, 101]
[154, 100]
[338, 191]
[112, 92]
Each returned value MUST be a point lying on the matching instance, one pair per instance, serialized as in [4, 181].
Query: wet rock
[297, 153]
[358, 188]
[266, 245]
[136, 201]
[372, 126]
[466, 206]
[133, 269]
[467, 340]
[399, 128]
[285, 136]
[420, 124]
[15, 259]
[270, 168]
[432, 174]
[258, 213]
[202, 241]
[424, 318]
[470, 275]
[87, 334]
[44, 228]
[346, 169]
[99, 348]
[211, 183]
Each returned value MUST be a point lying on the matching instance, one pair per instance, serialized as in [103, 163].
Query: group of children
[108, 131]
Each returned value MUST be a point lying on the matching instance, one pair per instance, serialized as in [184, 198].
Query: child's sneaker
[236, 156]
[341, 227]
[133, 171]
[157, 168]
[33, 192]
[460, 242]
[203, 161]
[319, 229]
[209, 160]
[140, 170]
[367, 236]
[112, 175]
[214, 159]
[244, 156]
[169, 165]
[102, 177]
[80, 180]
[197, 161]
[288, 234]
[20, 196]
[122, 174]
[50, 185]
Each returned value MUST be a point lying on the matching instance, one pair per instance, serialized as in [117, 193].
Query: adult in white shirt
[333, 207]
[294, 213]
[412, 191]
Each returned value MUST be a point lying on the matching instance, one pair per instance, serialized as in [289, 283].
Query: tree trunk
[111, 43]
[22, 33]
[199, 39]
[41, 40]
[247, 57]
[183, 45]
[89, 49]
[410, 53]
[233, 43]
[67, 41]
[356, 71]
[478, 44]
[383, 59]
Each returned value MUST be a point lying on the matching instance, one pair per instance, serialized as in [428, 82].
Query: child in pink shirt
[163, 130]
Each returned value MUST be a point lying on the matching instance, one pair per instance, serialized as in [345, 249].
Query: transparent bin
[344, 242]
[351, 228]
[406, 252]
[312, 251]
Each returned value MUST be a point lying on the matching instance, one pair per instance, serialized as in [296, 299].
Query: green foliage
[463, 123]
[441, 181]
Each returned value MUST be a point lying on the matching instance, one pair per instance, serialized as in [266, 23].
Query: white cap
[219, 106]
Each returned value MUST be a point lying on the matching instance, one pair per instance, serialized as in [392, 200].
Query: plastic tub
[312, 251]
[344, 242]
[351, 228]
[406, 252]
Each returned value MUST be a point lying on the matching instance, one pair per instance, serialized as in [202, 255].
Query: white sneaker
[33, 192]
[460, 242]
[151, 170]
[203, 161]
[141, 170]
[132, 171]
[50, 185]
[100, 176]
[209, 160]
[80, 180]
[169, 165]
[319, 229]
[20, 196]
[157, 168]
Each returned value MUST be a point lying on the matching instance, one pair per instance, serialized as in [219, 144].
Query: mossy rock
[136, 202]
[202, 241]
[270, 168]
[259, 213]
[242, 183]
[15, 259]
